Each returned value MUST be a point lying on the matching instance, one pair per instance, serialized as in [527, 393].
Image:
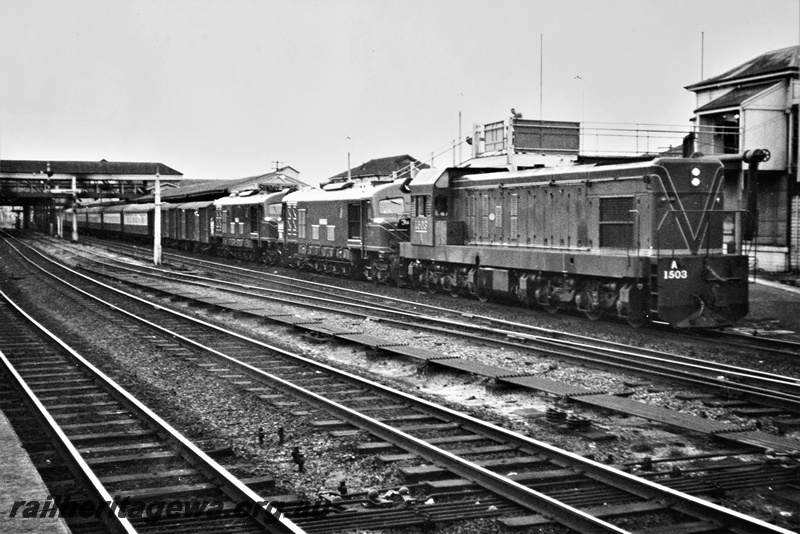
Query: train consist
[643, 241]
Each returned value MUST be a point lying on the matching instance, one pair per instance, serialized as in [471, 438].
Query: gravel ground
[210, 409]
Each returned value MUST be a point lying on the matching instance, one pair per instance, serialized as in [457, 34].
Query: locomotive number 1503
[674, 273]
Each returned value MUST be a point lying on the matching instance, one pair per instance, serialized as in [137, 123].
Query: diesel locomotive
[643, 241]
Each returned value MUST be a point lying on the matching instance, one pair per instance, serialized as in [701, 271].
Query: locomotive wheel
[552, 308]
[433, 280]
[481, 295]
[595, 314]
[455, 291]
[637, 320]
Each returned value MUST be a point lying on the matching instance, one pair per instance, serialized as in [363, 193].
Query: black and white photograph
[399, 266]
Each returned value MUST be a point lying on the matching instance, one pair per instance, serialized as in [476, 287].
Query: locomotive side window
[616, 222]
[274, 210]
[354, 221]
[422, 207]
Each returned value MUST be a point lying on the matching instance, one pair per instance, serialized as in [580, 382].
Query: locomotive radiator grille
[616, 222]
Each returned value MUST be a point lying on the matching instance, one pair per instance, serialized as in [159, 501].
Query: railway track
[727, 380]
[278, 372]
[752, 340]
[121, 451]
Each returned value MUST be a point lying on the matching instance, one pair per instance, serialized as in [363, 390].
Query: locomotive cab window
[616, 222]
[391, 206]
[440, 205]
[273, 210]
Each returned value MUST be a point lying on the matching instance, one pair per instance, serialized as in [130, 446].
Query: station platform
[19, 481]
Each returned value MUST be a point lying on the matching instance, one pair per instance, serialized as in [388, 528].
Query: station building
[755, 105]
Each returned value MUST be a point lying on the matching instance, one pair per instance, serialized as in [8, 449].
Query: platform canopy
[25, 182]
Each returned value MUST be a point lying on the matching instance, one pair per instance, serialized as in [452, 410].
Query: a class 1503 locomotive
[643, 241]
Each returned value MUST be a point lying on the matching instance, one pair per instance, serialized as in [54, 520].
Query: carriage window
[390, 206]
[616, 222]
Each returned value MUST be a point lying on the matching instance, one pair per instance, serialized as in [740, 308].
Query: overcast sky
[222, 89]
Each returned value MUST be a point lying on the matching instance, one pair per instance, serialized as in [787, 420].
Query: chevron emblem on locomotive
[691, 206]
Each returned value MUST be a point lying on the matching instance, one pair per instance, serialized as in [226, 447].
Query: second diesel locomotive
[647, 240]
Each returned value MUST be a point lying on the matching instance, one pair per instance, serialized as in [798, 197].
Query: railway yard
[241, 384]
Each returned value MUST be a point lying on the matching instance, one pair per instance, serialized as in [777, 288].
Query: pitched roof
[202, 189]
[734, 98]
[380, 167]
[85, 167]
[783, 61]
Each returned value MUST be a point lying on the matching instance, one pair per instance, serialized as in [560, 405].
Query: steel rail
[77, 465]
[687, 504]
[682, 364]
[509, 489]
[555, 333]
[728, 379]
[269, 516]
[545, 333]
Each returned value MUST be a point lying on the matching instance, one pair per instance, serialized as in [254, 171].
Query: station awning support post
[157, 222]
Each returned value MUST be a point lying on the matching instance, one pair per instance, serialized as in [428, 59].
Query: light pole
[583, 111]
[349, 176]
